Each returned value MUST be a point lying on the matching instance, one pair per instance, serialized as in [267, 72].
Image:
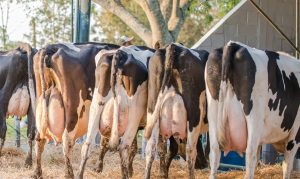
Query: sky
[18, 23]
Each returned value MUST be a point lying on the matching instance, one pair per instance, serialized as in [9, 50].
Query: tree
[185, 22]
[50, 21]
[165, 18]
[4, 10]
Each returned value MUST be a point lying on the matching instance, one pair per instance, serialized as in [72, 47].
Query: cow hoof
[130, 172]
[99, 168]
[37, 175]
[28, 162]
[79, 176]
[162, 175]
[212, 177]
[69, 175]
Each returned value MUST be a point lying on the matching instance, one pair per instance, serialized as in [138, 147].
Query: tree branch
[157, 23]
[166, 9]
[177, 18]
[119, 10]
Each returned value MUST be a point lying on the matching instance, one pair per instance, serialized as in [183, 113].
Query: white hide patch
[129, 114]
[173, 116]
[56, 115]
[19, 102]
[195, 53]
[139, 54]
[101, 53]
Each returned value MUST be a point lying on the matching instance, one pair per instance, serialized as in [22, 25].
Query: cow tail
[114, 138]
[44, 119]
[170, 53]
[168, 68]
[31, 86]
[228, 56]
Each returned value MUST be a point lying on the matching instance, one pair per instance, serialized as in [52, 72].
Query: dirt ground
[12, 166]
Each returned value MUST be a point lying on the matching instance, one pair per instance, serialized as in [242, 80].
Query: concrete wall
[245, 24]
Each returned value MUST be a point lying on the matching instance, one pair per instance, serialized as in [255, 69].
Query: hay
[12, 152]
[12, 166]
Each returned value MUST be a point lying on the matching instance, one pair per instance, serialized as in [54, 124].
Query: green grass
[11, 133]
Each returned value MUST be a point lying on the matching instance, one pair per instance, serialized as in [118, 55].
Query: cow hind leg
[67, 149]
[214, 155]
[172, 152]
[132, 153]
[151, 149]
[251, 154]
[39, 148]
[85, 151]
[289, 155]
[207, 148]
[162, 157]
[3, 129]
[191, 151]
[103, 149]
[124, 149]
[30, 136]
[200, 158]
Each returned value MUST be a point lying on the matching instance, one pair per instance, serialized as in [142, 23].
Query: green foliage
[226, 5]
[11, 133]
[113, 28]
[52, 21]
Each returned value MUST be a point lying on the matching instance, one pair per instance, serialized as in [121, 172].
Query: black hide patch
[102, 74]
[155, 77]
[242, 70]
[297, 138]
[134, 74]
[286, 88]
[214, 70]
[191, 72]
[290, 145]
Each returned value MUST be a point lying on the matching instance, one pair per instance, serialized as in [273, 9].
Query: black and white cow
[176, 102]
[253, 98]
[119, 102]
[64, 76]
[17, 90]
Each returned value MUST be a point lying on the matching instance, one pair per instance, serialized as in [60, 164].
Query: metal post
[72, 21]
[82, 29]
[274, 25]
[18, 136]
[297, 27]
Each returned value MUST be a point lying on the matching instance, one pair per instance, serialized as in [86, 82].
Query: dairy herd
[244, 97]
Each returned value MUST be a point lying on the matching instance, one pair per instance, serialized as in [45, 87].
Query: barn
[244, 23]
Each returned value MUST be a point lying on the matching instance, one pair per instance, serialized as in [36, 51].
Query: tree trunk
[33, 32]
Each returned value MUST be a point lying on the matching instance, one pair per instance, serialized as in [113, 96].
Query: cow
[176, 105]
[64, 75]
[253, 98]
[17, 91]
[119, 103]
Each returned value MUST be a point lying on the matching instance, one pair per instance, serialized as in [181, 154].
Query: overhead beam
[274, 25]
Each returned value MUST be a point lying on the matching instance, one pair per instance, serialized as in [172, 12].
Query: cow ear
[157, 45]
